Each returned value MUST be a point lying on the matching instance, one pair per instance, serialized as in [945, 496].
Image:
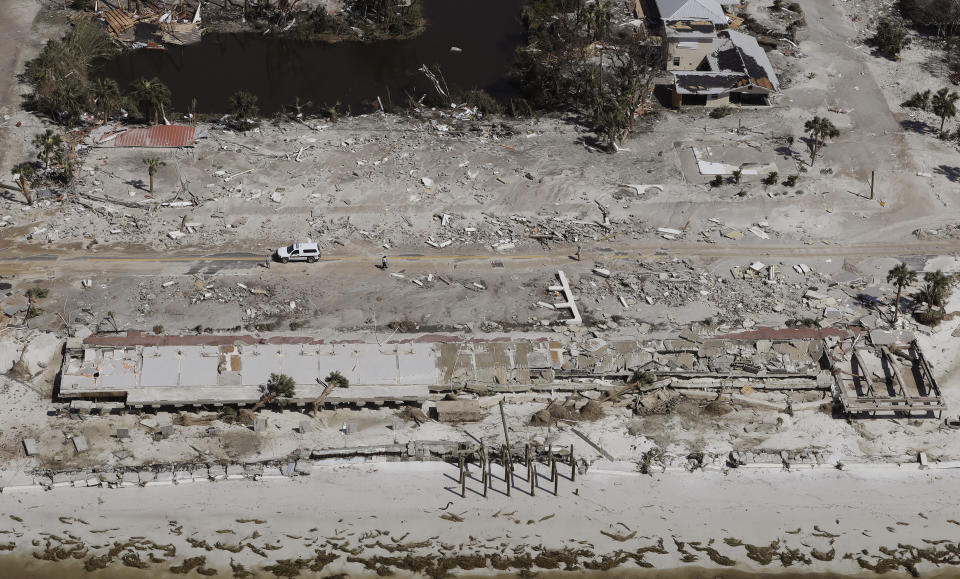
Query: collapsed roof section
[737, 64]
[739, 52]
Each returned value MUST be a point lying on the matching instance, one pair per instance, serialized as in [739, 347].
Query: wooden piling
[503, 420]
[506, 470]
[573, 466]
[526, 457]
[554, 475]
[489, 462]
[533, 481]
[483, 467]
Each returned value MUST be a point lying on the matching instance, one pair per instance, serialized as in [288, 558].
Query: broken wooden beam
[595, 446]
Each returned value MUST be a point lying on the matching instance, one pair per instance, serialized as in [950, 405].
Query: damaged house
[712, 65]
[737, 70]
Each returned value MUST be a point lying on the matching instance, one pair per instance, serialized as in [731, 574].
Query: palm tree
[935, 288]
[597, 17]
[46, 143]
[279, 385]
[24, 173]
[152, 164]
[106, 95]
[65, 160]
[245, 108]
[901, 275]
[151, 96]
[820, 129]
[944, 104]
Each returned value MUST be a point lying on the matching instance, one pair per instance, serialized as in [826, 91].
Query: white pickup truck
[308, 252]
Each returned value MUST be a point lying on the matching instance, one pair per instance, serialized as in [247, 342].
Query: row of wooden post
[506, 458]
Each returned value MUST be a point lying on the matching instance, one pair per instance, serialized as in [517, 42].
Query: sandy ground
[17, 32]
[822, 521]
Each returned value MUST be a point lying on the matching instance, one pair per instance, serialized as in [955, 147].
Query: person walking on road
[383, 262]
[579, 249]
[266, 262]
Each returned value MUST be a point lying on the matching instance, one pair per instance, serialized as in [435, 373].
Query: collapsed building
[137, 370]
[712, 64]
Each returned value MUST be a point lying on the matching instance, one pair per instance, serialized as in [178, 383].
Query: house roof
[736, 64]
[691, 10]
[156, 136]
[740, 53]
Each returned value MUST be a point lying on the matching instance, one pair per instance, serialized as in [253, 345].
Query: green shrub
[891, 36]
[481, 99]
[59, 75]
[771, 178]
[158, 329]
[918, 100]
[228, 414]
[37, 293]
[929, 317]
[717, 181]
[791, 180]
[721, 111]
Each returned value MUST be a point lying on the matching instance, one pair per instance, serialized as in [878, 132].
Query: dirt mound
[548, 416]
[591, 411]
[412, 414]
[19, 371]
[716, 408]
[246, 417]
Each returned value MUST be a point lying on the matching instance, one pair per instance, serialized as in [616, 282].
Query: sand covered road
[16, 27]
[356, 519]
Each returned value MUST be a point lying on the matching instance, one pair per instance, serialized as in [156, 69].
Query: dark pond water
[279, 70]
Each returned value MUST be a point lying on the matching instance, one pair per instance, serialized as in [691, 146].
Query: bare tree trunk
[25, 189]
[896, 305]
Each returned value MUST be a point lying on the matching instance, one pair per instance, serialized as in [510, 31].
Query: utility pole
[872, 174]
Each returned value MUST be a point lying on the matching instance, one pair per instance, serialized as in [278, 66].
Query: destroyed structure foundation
[139, 370]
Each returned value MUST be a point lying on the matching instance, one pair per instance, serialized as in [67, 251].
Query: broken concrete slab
[459, 411]
[80, 443]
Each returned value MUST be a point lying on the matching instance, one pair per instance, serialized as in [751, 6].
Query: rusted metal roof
[158, 136]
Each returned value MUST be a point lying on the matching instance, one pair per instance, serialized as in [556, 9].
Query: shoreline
[391, 515]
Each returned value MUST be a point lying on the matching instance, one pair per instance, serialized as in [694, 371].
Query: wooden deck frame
[874, 403]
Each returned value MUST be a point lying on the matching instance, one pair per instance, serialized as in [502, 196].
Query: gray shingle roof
[753, 60]
[691, 10]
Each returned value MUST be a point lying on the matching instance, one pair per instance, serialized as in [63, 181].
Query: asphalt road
[24, 261]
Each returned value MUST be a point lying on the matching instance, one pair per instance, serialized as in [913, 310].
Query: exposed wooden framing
[874, 402]
[595, 446]
[895, 370]
[118, 21]
[862, 373]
